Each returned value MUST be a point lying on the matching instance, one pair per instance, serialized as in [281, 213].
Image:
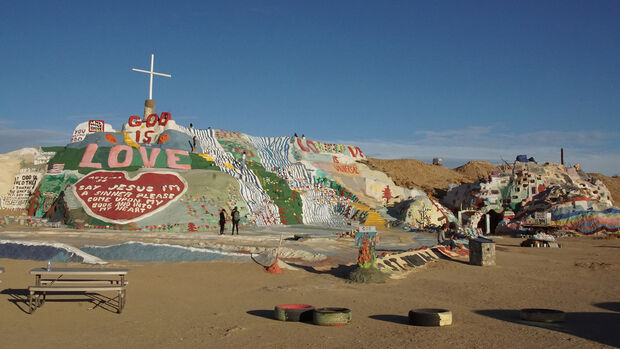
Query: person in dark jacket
[222, 221]
[236, 217]
[445, 235]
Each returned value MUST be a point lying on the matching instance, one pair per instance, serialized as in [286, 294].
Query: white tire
[430, 317]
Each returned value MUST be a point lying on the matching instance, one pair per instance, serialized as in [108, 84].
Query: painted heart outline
[114, 197]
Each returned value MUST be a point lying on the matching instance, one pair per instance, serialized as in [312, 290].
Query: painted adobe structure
[567, 198]
[156, 175]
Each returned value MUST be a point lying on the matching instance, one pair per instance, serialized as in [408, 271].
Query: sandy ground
[217, 304]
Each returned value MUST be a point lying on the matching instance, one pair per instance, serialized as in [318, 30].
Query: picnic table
[77, 280]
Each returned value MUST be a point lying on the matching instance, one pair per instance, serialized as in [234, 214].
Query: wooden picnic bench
[77, 280]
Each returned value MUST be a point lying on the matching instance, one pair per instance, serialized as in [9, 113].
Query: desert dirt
[218, 304]
[613, 184]
[431, 179]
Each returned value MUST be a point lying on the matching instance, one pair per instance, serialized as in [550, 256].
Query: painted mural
[113, 197]
[156, 175]
[573, 199]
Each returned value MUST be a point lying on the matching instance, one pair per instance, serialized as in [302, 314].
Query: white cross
[151, 73]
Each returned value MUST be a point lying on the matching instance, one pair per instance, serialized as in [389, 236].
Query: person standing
[243, 159]
[236, 217]
[222, 221]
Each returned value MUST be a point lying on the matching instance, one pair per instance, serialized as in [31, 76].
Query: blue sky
[463, 80]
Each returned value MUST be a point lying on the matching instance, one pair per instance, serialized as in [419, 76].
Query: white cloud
[13, 139]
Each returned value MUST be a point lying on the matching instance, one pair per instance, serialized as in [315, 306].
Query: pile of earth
[432, 179]
[613, 184]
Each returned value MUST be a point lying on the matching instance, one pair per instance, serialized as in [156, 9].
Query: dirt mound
[613, 184]
[410, 173]
[476, 169]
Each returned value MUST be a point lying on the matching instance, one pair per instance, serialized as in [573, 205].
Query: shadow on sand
[342, 271]
[19, 297]
[396, 319]
[601, 327]
[613, 306]
[267, 314]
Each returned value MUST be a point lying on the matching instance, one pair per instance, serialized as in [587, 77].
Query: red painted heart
[110, 196]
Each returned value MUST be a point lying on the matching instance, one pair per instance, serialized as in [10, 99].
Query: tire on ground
[430, 317]
[542, 315]
[293, 312]
[332, 316]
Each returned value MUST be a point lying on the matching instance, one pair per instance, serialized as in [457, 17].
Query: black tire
[542, 315]
[293, 312]
[430, 317]
[332, 316]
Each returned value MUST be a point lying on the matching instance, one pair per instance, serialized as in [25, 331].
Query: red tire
[293, 312]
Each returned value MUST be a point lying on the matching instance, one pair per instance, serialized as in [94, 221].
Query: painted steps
[400, 264]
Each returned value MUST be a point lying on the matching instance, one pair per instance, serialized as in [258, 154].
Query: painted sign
[149, 129]
[96, 126]
[80, 132]
[83, 129]
[365, 234]
[319, 147]
[126, 153]
[368, 229]
[23, 186]
[112, 197]
[43, 157]
[542, 217]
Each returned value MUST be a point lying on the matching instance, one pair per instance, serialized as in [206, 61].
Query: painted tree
[387, 193]
[366, 270]
[366, 257]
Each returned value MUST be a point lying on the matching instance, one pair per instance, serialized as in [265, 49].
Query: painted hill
[159, 176]
[529, 194]
[156, 175]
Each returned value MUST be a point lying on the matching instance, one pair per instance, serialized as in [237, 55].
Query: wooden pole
[274, 268]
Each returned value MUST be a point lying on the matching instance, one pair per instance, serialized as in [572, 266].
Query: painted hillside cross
[151, 73]
[149, 105]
